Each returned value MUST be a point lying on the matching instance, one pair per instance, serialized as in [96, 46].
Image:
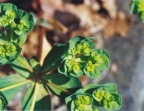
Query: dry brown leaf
[119, 25]
[110, 6]
[46, 47]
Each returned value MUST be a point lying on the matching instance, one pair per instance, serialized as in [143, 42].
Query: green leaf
[10, 80]
[11, 85]
[54, 58]
[64, 84]
[36, 98]
[27, 99]
[3, 102]
[20, 68]
[35, 64]
[43, 101]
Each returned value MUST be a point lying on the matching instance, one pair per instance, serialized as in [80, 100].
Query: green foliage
[76, 58]
[137, 7]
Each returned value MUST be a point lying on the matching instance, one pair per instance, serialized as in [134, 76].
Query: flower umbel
[83, 103]
[8, 51]
[109, 100]
[83, 59]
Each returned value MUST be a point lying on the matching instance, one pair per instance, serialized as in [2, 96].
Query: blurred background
[113, 29]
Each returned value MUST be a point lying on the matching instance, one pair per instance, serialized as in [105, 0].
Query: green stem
[56, 86]
[25, 64]
[34, 97]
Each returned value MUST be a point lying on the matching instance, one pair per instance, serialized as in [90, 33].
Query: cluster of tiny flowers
[84, 103]
[11, 18]
[107, 99]
[84, 59]
[8, 51]
[95, 97]
[17, 24]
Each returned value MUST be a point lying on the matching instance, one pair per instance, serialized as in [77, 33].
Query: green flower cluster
[108, 100]
[94, 97]
[8, 51]
[137, 7]
[83, 102]
[16, 19]
[82, 58]
[17, 24]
